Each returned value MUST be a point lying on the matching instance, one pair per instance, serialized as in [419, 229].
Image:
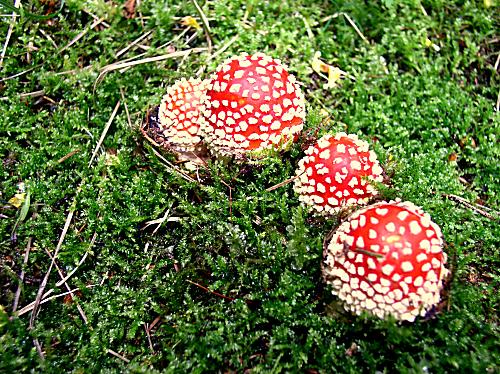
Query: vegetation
[228, 276]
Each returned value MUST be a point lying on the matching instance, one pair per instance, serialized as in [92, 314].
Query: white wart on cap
[252, 104]
[337, 172]
[387, 259]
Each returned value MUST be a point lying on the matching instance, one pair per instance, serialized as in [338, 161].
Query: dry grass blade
[171, 167]
[21, 277]
[206, 25]
[17, 74]
[32, 94]
[223, 48]
[123, 358]
[39, 295]
[121, 65]
[281, 184]
[29, 307]
[349, 19]
[160, 221]
[81, 34]
[104, 132]
[138, 40]
[9, 32]
[49, 38]
[126, 108]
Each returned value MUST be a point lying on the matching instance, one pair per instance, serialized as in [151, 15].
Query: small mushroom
[337, 172]
[387, 259]
[252, 104]
[176, 126]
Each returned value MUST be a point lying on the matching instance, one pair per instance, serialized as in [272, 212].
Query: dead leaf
[129, 9]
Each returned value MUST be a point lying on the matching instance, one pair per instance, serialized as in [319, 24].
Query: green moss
[232, 281]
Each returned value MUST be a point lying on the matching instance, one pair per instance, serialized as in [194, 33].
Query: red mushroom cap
[179, 114]
[336, 172]
[387, 259]
[252, 104]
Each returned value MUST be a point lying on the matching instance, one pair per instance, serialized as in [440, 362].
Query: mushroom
[177, 125]
[337, 172]
[387, 259]
[252, 104]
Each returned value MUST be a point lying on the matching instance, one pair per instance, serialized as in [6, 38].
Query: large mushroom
[177, 125]
[252, 104]
[387, 259]
[337, 171]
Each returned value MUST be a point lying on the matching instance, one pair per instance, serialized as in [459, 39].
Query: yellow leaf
[334, 76]
[18, 199]
[191, 22]
[318, 65]
[488, 3]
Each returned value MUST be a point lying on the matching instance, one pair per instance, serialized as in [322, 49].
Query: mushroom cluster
[337, 172]
[387, 259]
[249, 105]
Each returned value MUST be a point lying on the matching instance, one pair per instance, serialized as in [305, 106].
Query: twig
[71, 154]
[104, 132]
[285, 182]
[148, 335]
[154, 323]
[17, 3]
[81, 34]
[349, 19]
[123, 358]
[120, 65]
[210, 291]
[469, 205]
[39, 349]
[21, 277]
[122, 51]
[206, 25]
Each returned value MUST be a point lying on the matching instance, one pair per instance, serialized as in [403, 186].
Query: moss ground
[232, 280]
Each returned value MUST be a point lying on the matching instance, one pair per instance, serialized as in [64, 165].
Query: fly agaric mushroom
[387, 259]
[252, 104]
[337, 172]
[175, 126]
